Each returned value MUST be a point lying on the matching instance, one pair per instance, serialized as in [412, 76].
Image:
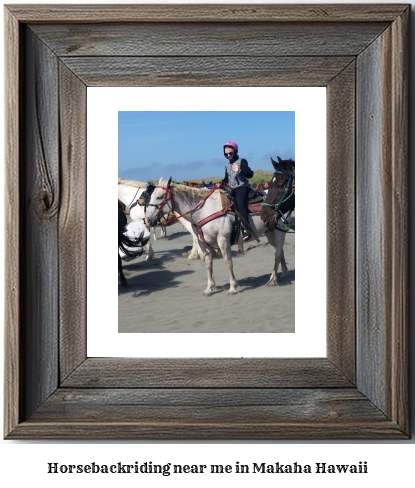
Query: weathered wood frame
[359, 52]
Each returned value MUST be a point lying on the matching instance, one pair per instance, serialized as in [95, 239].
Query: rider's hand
[235, 167]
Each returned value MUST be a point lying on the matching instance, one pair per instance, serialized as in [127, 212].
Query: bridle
[159, 206]
[168, 195]
[283, 199]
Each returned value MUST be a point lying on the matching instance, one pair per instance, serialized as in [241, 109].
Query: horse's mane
[136, 184]
[193, 192]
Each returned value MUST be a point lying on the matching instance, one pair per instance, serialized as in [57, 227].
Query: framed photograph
[155, 131]
[359, 390]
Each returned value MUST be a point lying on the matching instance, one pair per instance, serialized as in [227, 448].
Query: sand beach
[165, 294]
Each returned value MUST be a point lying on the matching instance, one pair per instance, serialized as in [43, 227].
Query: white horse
[130, 192]
[195, 205]
[128, 195]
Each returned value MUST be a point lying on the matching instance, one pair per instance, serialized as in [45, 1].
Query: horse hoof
[271, 283]
[232, 292]
[209, 292]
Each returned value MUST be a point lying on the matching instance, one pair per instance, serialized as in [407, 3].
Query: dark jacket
[240, 178]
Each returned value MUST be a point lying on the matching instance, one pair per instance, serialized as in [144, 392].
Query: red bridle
[167, 194]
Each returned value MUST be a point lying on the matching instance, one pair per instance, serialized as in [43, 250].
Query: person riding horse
[235, 182]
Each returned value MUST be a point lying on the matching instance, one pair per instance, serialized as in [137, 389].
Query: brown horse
[191, 184]
[280, 199]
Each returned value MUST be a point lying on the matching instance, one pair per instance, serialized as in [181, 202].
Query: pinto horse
[132, 193]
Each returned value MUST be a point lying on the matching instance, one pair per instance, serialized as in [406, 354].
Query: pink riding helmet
[231, 144]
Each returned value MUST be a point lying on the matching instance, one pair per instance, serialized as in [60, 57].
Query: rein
[128, 207]
[169, 192]
[283, 199]
[200, 224]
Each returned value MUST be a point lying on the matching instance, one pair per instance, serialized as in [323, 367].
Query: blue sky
[188, 145]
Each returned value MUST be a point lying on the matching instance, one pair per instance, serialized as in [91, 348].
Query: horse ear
[275, 164]
[169, 182]
[279, 159]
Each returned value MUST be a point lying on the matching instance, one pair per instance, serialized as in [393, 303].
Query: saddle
[254, 206]
[255, 196]
[255, 201]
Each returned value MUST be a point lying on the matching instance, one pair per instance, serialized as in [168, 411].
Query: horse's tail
[131, 247]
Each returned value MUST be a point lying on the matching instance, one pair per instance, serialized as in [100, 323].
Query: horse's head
[161, 202]
[145, 197]
[280, 198]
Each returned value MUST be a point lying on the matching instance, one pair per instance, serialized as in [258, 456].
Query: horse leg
[122, 277]
[225, 248]
[196, 252]
[276, 239]
[284, 268]
[163, 232]
[149, 250]
[154, 233]
[211, 287]
[208, 257]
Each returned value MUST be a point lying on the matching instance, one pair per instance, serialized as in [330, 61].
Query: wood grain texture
[213, 405]
[382, 267]
[207, 373]
[400, 244]
[206, 71]
[72, 222]
[183, 39]
[52, 390]
[373, 222]
[40, 206]
[206, 13]
[341, 236]
[189, 430]
[12, 370]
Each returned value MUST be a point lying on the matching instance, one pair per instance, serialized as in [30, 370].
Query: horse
[192, 184]
[280, 200]
[128, 246]
[133, 193]
[279, 204]
[212, 221]
[137, 197]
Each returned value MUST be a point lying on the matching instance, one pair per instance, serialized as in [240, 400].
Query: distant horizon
[189, 145]
[207, 179]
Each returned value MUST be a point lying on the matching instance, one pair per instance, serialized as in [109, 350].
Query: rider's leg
[241, 197]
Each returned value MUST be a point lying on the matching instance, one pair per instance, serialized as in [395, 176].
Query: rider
[237, 173]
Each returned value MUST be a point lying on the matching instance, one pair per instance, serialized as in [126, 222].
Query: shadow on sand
[154, 280]
[258, 281]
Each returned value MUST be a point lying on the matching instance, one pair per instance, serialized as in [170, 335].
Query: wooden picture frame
[359, 391]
